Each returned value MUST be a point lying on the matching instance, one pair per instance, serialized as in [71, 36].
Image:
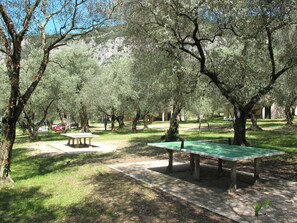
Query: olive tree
[240, 46]
[178, 71]
[285, 94]
[46, 25]
[150, 70]
[204, 101]
[111, 88]
[78, 65]
[41, 102]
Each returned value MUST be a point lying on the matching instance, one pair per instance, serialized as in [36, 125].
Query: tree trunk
[289, 116]
[8, 138]
[145, 121]
[68, 122]
[105, 122]
[172, 132]
[254, 121]
[289, 111]
[61, 116]
[240, 126]
[113, 118]
[135, 120]
[150, 119]
[34, 134]
[84, 120]
[120, 120]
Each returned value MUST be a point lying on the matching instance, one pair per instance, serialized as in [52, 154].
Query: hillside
[107, 42]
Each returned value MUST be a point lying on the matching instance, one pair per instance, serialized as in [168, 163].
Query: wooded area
[170, 55]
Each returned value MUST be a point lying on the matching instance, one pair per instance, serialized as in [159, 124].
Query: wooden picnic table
[75, 139]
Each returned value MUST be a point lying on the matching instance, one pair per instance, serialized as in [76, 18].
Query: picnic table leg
[257, 169]
[233, 176]
[68, 143]
[85, 141]
[77, 142]
[197, 167]
[170, 160]
[192, 163]
[73, 141]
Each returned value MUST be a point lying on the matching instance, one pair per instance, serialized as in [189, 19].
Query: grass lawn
[81, 188]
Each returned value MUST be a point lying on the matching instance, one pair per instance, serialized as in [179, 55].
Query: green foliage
[261, 207]
[76, 67]
[205, 100]
[257, 209]
[238, 46]
[284, 94]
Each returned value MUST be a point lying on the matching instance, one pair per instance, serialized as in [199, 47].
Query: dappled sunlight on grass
[116, 198]
[206, 135]
[25, 204]
[285, 141]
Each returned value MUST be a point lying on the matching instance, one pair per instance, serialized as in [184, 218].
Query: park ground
[52, 186]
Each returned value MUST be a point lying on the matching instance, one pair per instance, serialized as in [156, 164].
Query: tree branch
[45, 112]
[270, 50]
[8, 22]
[28, 18]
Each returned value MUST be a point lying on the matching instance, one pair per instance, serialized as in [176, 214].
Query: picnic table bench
[75, 139]
[230, 153]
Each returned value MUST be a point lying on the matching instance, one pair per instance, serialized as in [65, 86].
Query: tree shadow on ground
[209, 178]
[24, 205]
[27, 166]
[118, 198]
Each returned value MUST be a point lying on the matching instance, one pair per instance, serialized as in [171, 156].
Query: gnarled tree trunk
[120, 120]
[172, 133]
[8, 138]
[240, 126]
[105, 121]
[135, 120]
[254, 123]
[289, 112]
[289, 116]
[145, 120]
[84, 120]
[113, 118]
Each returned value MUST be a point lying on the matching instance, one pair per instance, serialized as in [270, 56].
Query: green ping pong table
[229, 153]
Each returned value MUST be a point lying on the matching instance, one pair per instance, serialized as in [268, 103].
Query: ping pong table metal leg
[170, 160]
[220, 167]
[257, 169]
[233, 176]
[197, 166]
[192, 163]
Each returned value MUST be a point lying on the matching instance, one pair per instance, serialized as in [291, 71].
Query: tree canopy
[239, 45]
